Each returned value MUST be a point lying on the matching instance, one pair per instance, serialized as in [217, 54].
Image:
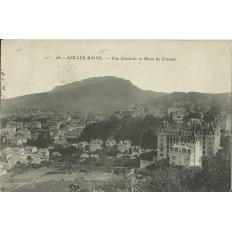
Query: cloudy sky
[30, 66]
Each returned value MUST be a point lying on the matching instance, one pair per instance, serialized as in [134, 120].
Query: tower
[162, 141]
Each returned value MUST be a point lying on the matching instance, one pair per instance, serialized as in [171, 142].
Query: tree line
[140, 131]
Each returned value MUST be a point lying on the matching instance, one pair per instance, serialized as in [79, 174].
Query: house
[133, 156]
[35, 125]
[121, 147]
[177, 113]
[30, 149]
[17, 158]
[119, 156]
[110, 142]
[6, 153]
[135, 150]
[6, 166]
[71, 131]
[55, 153]
[34, 135]
[124, 147]
[81, 144]
[19, 125]
[96, 156]
[9, 133]
[43, 152]
[96, 144]
[24, 132]
[61, 141]
[10, 124]
[22, 138]
[3, 171]
[38, 158]
[27, 125]
[187, 154]
[17, 142]
[18, 155]
[84, 156]
[50, 146]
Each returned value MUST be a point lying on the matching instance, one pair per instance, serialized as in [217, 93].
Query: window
[176, 149]
[173, 156]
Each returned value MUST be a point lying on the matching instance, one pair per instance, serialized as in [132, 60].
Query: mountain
[195, 98]
[89, 94]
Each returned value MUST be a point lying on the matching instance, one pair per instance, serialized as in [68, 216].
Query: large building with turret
[208, 135]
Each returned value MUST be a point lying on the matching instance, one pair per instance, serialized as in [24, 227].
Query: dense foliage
[214, 176]
[140, 131]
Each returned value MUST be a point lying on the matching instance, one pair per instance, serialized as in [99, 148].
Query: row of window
[179, 132]
[181, 150]
[180, 162]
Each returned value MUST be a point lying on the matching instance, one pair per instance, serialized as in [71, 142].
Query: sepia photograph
[115, 116]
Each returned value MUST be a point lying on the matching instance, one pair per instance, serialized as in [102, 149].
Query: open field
[54, 179]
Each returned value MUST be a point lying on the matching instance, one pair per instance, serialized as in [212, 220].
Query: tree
[215, 175]
[162, 180]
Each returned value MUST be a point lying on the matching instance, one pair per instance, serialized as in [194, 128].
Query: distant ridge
[88, 94]
[108, 92]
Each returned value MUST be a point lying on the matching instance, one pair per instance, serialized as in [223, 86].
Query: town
[180, 135]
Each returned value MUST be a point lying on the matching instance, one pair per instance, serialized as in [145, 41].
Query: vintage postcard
[115, 116]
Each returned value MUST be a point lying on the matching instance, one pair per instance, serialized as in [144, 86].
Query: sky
[32, 66]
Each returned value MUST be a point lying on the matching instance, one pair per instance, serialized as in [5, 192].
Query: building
[8, 134]
[186, 154]
[6, 153]
[35, 125]
[177, 113]
[96, 144]
[95, 156]
[55, 153]
[72, 131]
[135, 150]
[124, 147]
[24, 132]
[38, 158]
[19, 125]
[12, 155]
[10, 124]
[81, 144]
[110, 142]
[228, 123]
[84, 156]
[43, 152]
[30, 149]
[3, 171]
[208, 134]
